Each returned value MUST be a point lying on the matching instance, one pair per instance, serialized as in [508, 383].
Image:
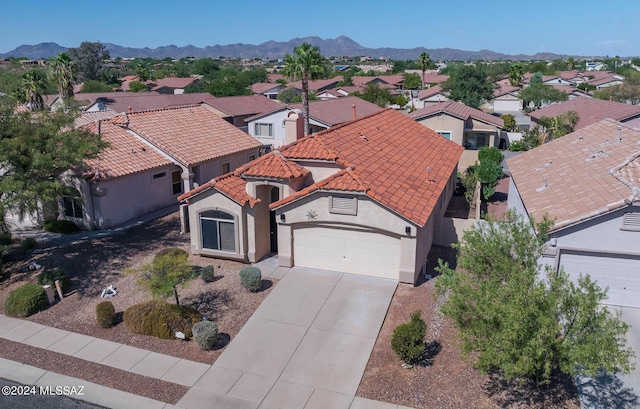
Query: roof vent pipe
[619, 133]
[354, 111]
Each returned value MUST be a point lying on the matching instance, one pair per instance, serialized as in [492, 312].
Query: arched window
[218, 230]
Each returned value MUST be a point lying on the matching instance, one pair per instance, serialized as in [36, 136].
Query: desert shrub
[105, 314]
[26, 300]
[161, 319]
[171, 252]
[169, 268]
[207, 274]
[29, 243]
[408, 339]
[251, 278]
[205, 334]
[50, 276]
[60, 226]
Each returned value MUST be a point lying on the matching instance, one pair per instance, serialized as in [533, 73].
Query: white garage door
[350, 251]
[506, 106]
[620, 274]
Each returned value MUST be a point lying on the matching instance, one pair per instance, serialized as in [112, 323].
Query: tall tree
[470, 85]
[539, 93]
[516, 71]
[423, 63]
[305, 63]
[35, 149]
[90, 58]
[142, 71]
[62, 69]
[33, 86]
[512, 321]
[559, 125]
[571, 63]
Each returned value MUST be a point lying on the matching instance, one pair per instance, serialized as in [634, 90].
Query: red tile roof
[262, 87]
[309, 148]
[272, 165]
[389, 155]
[504, 89]
[230, 184]
[316, 85]
[88, 117]
[125, 154]
[361, 81]
[336, 111]
[174, 82]
[190, 134]
[429, 92]
[433, 78]
[587, 173]
[142, 101]
[274, 77]
[589, 110]
[244, 105]
[457, 110]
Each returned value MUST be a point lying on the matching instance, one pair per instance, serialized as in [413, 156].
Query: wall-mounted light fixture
[282, 218]
[407, 230]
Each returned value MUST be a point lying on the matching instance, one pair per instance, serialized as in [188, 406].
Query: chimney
[130, 109]
[354, 111]
[293, 126]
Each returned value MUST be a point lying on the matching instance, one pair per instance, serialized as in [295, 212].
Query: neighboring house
[173, 85]
[506, 99]
[588, 183]
[269, 127]
[430, 96]
[236, 109]
[595, 66]
[589, 110]
[607, 82]
[153, 157]
[359, 198]
[395, 81]
[317, 85]
[267, 89]
[466, 126]
[132, 101]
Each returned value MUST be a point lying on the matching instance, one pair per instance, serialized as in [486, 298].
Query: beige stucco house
[466, 126]
[361, 197]
[152, 158]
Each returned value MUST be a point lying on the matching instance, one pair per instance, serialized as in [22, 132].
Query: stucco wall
[319, 170]
[213, 168]
[446, 123]
[214, 200]
[277, 119]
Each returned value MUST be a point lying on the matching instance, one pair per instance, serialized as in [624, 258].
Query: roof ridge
[342, 125]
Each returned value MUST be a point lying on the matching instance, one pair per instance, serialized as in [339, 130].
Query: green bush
[172, 252]
[206, 274]
[106, 314]
[491, 153]
[26, 300]
[60, 226]
[50, 276]
[205, 334]
[251, 278]
[5, 238]
[29, 243]
[408, 339]
[161, 319]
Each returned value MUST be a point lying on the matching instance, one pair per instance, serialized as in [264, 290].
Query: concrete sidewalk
[306, 346]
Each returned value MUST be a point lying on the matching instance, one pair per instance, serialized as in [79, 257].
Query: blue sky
[570, 27]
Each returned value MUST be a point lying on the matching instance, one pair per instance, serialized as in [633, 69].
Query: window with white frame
[445, 134]
[72, 204]
[263, 130]
[218, 230]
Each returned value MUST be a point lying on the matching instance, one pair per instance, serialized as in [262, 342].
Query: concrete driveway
[616, 391]
[306, 346]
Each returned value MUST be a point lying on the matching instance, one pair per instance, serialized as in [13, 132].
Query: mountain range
[340, 46]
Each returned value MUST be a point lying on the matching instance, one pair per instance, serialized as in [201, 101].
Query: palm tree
[62, 69]
[571, 63]
[423, 63]
[305, 63]
[515, 74]
[33, 86]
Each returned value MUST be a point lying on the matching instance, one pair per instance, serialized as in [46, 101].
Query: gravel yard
[444, 380]
[99, 262]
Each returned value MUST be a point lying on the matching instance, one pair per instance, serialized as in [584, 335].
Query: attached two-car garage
[620, 273]
[347, 249]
